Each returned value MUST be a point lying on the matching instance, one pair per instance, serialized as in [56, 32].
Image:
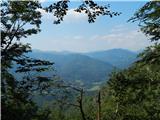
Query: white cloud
[71, 16]
[119, 28]
[45, 15]
[121, 38]
[78, 37]
[42, 11]
[41, 1]
[127, 38]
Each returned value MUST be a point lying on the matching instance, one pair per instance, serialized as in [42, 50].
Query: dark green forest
[33, 90]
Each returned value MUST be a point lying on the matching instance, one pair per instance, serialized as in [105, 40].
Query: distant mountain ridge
[87, 69]
[77, 67]
[120, 58]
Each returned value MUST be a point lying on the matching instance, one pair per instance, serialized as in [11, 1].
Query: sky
[75, 34]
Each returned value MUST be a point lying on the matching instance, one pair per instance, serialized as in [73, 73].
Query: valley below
[88, 70]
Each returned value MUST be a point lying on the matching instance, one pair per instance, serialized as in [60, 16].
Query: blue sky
[77, 35]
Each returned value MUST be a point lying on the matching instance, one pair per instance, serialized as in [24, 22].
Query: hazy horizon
[63, 51]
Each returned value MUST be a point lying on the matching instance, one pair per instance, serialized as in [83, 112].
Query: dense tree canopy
[134, 93]
[20, 19]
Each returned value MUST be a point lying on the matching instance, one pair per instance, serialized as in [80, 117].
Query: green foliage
[63, 110]
[93, 10]
[149, 19]
[16, 95]
[88, 7]
[133, 94]
[151, 55]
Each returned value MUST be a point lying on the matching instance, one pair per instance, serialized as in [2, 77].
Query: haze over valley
[90, 69]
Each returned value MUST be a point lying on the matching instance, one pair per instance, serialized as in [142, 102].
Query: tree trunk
[81, 105]
[99, 106]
